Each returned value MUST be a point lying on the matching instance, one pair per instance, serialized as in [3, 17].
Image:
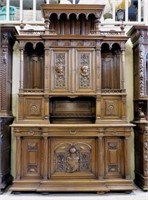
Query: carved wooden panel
[34, 66]
[72, 157]
[31, 157]
[73, 70]
[111, 107]
[114, 157]
[61, 64]
[33, 107]
[110, 71]
[84, 70]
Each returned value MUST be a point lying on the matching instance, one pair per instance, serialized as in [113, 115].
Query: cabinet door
[61, 68]
[31, 157]
[84, 68]
[73, 70]
[114, 158]
[73, 158]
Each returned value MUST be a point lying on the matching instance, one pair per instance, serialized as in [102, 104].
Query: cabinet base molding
[141, 181]
[73, 185]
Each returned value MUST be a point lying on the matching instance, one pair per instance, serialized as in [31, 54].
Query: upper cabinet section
[139, 39]
[72, 19]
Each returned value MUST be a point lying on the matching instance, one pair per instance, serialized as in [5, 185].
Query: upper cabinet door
[60, 70]
[72, 70]
[84, 68]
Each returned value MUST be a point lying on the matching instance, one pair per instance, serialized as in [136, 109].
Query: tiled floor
[134, 195]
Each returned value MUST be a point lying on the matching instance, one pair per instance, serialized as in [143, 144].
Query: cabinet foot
[101, 193]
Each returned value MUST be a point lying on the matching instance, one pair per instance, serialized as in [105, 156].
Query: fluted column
[123, 68]
[21, 68]
[98, 82]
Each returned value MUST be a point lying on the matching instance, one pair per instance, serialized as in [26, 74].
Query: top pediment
[68, 9]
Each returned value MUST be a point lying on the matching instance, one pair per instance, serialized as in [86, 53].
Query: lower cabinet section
[141, 154]
[5, 154]
[72, 158]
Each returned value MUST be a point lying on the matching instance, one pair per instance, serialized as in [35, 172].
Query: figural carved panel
[85, 70]
[73, 157]
[60, 65]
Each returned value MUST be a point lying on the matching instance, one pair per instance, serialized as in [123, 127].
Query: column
[100, 158]
[98, 82]
[126, 158]
[122, 69]
[18, 156]
[21, 68]
[45, 155]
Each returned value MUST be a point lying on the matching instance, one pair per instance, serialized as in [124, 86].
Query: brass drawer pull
[73, 132]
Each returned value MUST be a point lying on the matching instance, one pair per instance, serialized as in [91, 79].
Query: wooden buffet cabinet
[72, 133]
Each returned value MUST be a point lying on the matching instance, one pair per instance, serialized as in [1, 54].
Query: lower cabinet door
[114, 157]
[73, 158]
[31, 158]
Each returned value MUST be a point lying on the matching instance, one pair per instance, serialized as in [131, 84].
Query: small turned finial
[122, 27]
[141, 114]
[46, 24]
[22, 25]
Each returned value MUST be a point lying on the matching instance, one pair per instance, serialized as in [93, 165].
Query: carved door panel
[61, 68]
[73, 70]
[73, 158]
[85, 70]
[114, 158]
[31, 157]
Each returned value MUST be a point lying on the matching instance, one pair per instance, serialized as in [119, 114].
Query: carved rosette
[84, 78]
[72, 158]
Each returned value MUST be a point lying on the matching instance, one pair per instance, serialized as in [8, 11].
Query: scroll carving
[113, 168]
[32, 168]
[112, 146]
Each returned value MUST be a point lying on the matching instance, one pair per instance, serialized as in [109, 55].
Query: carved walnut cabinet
[140, 56]
[6, 117]
[72, 133]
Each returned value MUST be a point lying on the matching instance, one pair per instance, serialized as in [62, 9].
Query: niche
[110, 66]
[72, 109]
[34, 66]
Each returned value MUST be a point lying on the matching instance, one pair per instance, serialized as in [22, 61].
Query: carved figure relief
[72, 158]
[84, 71]
[60, 70]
